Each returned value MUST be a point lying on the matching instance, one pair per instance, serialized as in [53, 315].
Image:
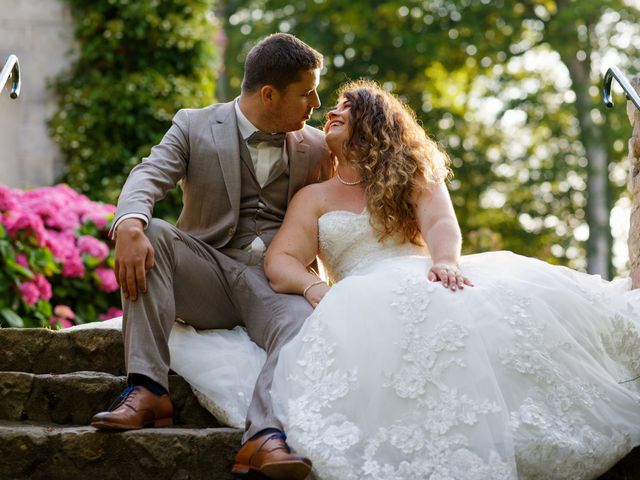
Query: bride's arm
[295, 247]
[441, 232]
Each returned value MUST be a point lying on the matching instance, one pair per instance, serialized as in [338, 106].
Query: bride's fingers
[444, 274]
[452, 280]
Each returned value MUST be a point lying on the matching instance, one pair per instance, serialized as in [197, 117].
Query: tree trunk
[598, 211]
[634, 188]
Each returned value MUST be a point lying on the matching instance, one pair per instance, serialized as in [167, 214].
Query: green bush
[137, 62]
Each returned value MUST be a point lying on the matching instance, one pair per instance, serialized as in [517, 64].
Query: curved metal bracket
[11, 70]
[629, 91]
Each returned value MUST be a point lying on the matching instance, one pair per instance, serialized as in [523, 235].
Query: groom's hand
[134, 255]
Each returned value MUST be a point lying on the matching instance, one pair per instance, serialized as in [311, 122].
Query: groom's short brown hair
[278, 60]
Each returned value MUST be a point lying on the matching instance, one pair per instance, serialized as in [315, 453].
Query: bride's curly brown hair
[394, 155]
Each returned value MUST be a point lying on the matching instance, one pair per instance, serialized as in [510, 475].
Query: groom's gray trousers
[207, 288]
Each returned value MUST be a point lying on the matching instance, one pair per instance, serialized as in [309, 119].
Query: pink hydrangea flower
[107, 280]
[7, 199]
[64, 311]
[21, 259]
[61, 244]
[112, 312]
[44, 287]
[93, 246]
[62, 316]
[57, 321]
[29, 292]
[100, 215]
[18, 220]
[65, 323]
[73, 265]
[54, 204]
[52, 217]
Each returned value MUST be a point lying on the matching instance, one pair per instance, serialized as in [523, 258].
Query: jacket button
[232, 230]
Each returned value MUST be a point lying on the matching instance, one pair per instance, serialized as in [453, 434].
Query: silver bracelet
[304, 292]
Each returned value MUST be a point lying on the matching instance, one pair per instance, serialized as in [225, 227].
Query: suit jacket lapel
[298, 151]
[224, 128]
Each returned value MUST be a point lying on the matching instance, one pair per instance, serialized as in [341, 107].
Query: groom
[238, 164]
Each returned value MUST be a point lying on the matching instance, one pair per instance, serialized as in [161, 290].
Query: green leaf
[44, 307]
[17, 268]
[5, 249]
[91, 262]
[12, 318]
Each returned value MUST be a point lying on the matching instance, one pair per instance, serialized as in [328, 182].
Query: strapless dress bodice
[348, 243]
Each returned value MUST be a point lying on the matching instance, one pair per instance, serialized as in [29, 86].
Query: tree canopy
[509, 88]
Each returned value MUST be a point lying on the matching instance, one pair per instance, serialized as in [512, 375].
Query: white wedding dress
[531, 374]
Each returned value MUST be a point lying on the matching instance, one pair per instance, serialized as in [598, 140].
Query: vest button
[232, 230]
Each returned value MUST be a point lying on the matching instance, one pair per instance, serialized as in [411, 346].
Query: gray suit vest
[262, 209]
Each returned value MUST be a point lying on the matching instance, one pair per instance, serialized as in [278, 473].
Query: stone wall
[633, 241]
[40, 33]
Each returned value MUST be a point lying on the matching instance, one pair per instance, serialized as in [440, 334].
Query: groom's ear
[267, 93]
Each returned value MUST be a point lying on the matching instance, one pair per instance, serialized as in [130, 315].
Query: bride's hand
[449, 275]
[314, 294]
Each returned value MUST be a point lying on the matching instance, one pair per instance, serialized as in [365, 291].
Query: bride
[515, 369]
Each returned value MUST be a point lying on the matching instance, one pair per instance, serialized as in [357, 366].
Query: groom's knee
[288, 323]
[159, 232]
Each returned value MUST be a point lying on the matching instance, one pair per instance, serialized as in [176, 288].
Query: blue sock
[266, 431]
[138, 380]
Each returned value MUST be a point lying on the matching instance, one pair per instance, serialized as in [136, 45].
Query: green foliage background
[446, 58]
[137, 63]
[510, 88]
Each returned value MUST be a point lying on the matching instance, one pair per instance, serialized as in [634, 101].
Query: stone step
[53, 452]
[626, 469]
[40, 350]
[73, 398]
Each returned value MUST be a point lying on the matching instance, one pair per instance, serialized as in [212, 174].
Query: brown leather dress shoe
[136, 407]
[270, 456]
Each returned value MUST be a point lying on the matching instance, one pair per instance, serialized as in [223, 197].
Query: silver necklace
[344, 182]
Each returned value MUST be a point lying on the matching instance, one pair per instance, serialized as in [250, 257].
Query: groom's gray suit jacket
[201, 150]
[200, 274]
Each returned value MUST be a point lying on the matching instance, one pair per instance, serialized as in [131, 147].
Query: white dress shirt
[263, 155]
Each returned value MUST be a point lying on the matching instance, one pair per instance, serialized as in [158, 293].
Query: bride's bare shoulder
[313, 196]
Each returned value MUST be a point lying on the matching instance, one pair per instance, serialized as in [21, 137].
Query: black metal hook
[629, 91]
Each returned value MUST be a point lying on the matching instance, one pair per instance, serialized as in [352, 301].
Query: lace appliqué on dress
[622, 343]
[427, 439]
[554, 438]
[327, 435]
[428, 434]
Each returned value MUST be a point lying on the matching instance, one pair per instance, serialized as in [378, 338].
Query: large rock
[40, 350]
[74, 398]
[52, 452]
[42, 380]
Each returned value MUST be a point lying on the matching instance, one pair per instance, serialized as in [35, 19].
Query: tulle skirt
[532, 373]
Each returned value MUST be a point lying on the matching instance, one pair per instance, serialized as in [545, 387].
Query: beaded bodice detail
[347, 243]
